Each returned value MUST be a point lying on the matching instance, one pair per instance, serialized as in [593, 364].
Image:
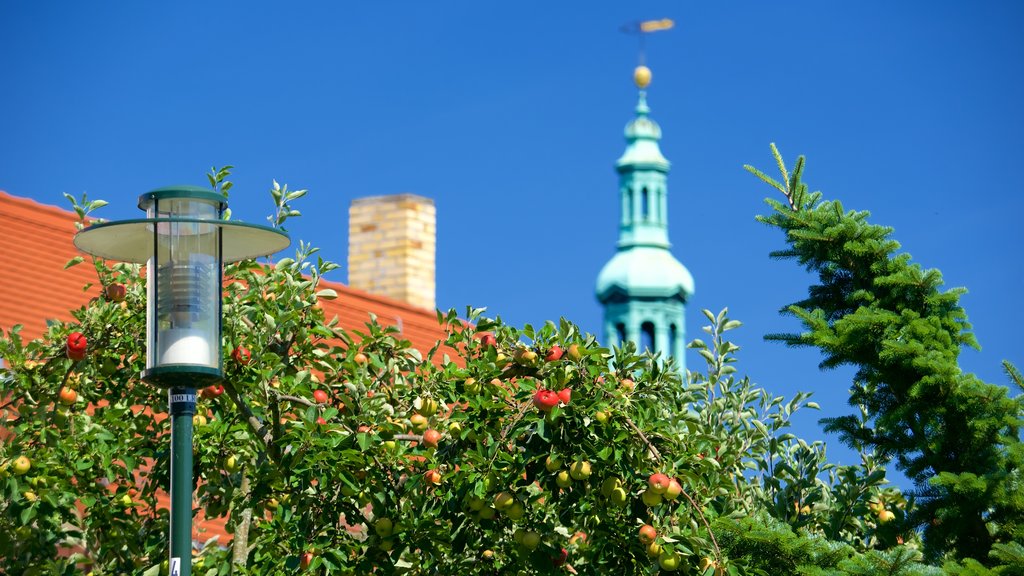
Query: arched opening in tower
[647, 336]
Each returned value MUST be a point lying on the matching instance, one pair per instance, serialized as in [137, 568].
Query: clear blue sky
[510, 116]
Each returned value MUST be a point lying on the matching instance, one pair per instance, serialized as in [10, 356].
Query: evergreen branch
[766, 179]
[796, 188]
[1013, 373]
[780, 162]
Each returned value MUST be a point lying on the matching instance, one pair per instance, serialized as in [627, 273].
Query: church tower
[643, 288]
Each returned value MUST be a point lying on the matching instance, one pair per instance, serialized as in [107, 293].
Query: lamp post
[184, 242]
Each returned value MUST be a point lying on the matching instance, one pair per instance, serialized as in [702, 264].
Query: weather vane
[641, 28]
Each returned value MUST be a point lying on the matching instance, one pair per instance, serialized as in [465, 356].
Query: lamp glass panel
[184, 286]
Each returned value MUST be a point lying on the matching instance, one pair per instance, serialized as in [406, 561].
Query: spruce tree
[955, 437]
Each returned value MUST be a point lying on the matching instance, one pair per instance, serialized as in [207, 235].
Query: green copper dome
[642, 134]
[644, 272]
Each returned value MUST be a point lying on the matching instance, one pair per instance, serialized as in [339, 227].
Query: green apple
[384, 527]
[619, 497]
[574, 352]
[610, 484]
[580, 470]
[503, 500]
[653, 549]
[669, 561]
[674, 490]
[552, 463]
[21, 465]
[651, 498]
[419, 423]
[515, 511]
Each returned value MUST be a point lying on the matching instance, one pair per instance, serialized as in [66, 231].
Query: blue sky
[510, 116]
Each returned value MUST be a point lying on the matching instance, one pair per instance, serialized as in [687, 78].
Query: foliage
[956, 437]
[354, 484]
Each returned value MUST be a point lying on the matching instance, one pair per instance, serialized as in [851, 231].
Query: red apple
[76, 346]
[115, 292]
[212, 391]
[432, 477]
[320, 420]
[488, 341]
[359, 358]
[320, 397]
[241, 355]
[68, 396]
[431, 438]
[647, 534]
[305, 559]
[658, 483]
[565, 394]
[545, 400]
[559, 559]
[555, 353]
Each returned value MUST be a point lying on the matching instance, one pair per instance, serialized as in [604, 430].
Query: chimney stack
[391, 247]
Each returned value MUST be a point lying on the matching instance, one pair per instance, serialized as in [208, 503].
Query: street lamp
[184, 242]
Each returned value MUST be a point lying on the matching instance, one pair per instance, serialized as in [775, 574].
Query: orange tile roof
[34, 287]
[35, 245]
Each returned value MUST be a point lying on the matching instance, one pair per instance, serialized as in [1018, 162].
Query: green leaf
[327, 294]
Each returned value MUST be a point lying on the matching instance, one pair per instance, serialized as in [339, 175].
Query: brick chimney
[391, 247]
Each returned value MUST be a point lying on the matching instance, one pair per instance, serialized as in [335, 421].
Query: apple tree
[346, 451]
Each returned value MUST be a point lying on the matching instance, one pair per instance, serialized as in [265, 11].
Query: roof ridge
[31, 202]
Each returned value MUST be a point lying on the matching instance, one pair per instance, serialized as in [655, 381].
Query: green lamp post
[184, 242]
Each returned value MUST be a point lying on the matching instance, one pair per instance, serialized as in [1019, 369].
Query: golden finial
[642, 77]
